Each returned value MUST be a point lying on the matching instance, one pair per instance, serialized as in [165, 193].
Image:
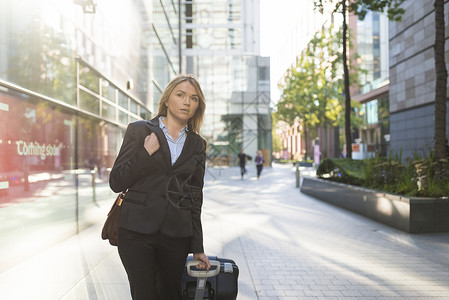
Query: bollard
[94, 184]
[297, 175]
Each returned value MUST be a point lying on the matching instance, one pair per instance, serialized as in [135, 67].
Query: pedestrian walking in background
[161, 165]
[243, 158]
[259, 163]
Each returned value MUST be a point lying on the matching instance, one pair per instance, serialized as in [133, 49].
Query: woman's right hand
[151, 143]
[203, 259]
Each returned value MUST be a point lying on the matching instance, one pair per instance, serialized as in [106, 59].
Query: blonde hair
[195, 122]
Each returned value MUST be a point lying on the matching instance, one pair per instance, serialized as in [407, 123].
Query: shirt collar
[164, 128]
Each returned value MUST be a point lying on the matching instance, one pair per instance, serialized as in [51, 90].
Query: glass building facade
[221, 46]
[372, 48]
[72, 76]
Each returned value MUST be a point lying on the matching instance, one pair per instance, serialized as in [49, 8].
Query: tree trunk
[306, 141]
[441, 82]
[348, 137]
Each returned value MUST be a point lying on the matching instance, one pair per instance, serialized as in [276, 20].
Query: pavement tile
[314, 293]
[286, 244]
[332, 293]
[293, 293]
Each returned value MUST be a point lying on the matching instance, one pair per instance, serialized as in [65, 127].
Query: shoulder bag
[110, 227]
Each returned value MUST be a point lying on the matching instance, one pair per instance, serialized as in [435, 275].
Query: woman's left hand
[204, 261]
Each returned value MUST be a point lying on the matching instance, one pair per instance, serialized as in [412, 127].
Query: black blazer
[161, 197]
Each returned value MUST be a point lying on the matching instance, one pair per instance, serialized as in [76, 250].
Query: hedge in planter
[419, 177]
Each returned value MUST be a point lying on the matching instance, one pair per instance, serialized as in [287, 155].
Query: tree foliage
[360, 8]
[312, 90]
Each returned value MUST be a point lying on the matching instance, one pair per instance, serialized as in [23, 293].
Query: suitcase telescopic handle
[203, 273]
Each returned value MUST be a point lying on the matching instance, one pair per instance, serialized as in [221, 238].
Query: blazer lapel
[163, 144]
[186, 152]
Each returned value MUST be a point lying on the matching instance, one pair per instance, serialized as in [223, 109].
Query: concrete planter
[409, 214]
[304, 164]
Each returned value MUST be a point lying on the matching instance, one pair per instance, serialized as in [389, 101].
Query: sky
[275, 17]
[279, 19]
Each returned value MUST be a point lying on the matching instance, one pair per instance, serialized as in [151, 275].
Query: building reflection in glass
[70, 83]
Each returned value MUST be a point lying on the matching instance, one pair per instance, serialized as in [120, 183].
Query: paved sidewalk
[287, 245]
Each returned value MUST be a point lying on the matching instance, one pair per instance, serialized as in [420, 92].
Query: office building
[222, 47]
[412, 80]
[370, 52]
[73, 74]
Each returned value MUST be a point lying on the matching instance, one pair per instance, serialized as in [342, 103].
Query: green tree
[360, 8]
[392, 7]
[277, 142]
[312, 87]
[348, 136]
[322, 60]
[296, 104]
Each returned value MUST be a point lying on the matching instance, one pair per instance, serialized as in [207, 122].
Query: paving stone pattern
[287, 245]
[296, 247]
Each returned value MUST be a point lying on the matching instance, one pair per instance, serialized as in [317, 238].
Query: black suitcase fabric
[224, 286]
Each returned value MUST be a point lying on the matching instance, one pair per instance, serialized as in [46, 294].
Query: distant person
[259, 163]
[243, 158]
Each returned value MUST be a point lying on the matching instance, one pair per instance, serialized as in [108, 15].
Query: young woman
[161, 164]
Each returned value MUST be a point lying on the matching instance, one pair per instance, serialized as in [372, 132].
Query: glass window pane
[108, 90]
[216, 12]
[89, 79]
[371, 114]
[89, 102]
[108, 111]
[157, 93]
[133, 107]
[123, 117]
[145, 113]
[122, 100]
[36, 51]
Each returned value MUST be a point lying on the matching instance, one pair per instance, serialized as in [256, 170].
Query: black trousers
[154, 264]
[242, 170]
[259, 170]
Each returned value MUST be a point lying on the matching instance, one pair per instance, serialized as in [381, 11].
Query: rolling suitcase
[219, 283]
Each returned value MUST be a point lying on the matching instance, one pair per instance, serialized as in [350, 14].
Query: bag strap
[120, 198]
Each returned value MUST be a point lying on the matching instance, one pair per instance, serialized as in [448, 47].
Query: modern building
[412, 79]
[73, 74]
[397, 91]
[222, 47]
[370, 52]
[397, 95]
